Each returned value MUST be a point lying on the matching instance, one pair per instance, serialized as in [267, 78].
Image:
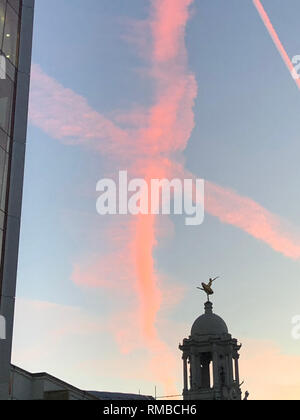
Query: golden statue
[207, 287]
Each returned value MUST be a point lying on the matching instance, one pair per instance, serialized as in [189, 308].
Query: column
[237, 373]
[205, 373]
[199, 378]
[230, 365]
[198, 373]
[227, 369]
[193, 370]
[216, 369]
[185, 373]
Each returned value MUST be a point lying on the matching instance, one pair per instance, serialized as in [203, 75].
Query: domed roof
[209, 323]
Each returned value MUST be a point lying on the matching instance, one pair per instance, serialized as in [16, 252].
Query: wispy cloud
[45, 332]
[269, 373]
[151, 139]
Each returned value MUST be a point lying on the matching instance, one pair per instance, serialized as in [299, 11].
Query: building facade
[16, 26]
[210, 360]
[42, 386]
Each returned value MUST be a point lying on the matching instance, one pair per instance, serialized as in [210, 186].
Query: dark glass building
[16, 25]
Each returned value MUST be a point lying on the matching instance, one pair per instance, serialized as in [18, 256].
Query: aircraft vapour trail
[157, 134]
[266, 20]
[79, 124]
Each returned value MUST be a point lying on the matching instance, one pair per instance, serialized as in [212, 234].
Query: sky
[160, 88]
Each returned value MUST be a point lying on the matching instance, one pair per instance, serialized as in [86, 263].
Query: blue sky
[246, 138]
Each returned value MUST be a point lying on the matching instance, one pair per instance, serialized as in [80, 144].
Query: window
[4, 140]
[3, 178]
[15, 4]
[6, 99]
[10, 35]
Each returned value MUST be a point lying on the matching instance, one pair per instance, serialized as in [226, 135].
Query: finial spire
[208, 307]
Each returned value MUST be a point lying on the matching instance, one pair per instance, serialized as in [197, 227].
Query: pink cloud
[66, 116]
[251, 217]
[168, 28]
[45, 332]
[269, 373]
[151, 139]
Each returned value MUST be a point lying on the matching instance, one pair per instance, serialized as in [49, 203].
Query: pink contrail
[274, 36]
[156, 135]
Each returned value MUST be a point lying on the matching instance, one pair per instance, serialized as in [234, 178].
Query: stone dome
[209, 323]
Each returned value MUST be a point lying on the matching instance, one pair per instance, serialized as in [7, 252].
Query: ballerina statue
[207, 287]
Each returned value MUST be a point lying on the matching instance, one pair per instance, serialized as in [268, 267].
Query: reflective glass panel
[10, 35]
